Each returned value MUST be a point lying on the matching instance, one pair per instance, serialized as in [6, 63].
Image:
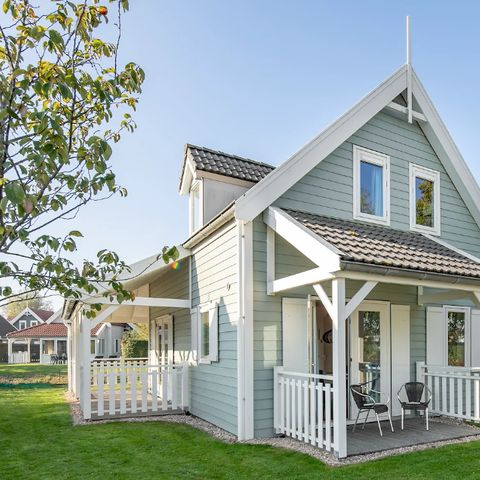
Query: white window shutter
[475, 338]
[213, 340]
[436, 336]
[194, 319]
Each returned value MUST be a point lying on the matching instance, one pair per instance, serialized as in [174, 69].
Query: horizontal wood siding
[328, 188]
[175, 284]
[214, 278]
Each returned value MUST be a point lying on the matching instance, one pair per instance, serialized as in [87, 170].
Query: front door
[370, 348]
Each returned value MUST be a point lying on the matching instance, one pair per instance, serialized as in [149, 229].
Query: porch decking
[414, 433]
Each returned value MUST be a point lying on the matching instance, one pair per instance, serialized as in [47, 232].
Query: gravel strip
[278, 442]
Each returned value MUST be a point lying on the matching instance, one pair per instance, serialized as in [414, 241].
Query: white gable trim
[23, 312]
[262, 195]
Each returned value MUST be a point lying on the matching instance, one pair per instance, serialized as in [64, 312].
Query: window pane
[371, 189]
[205, 335]
[369, 352]
[424, 202]
[196, 208]
[456, 339]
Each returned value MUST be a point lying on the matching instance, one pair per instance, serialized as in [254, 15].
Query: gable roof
[5, 327]
[221, 163]
[39, 314]
[46, 330]
[264, 193]
[386, 247]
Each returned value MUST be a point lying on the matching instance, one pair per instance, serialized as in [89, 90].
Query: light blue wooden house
[356, 261]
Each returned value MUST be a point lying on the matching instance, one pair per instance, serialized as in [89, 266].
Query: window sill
[425, 230]
[385, 221]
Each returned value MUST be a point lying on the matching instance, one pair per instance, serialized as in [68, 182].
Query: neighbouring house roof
[43, 314]
[5, 327]
[46, 330]
[387, 247]
[40, 314]
[226, 164]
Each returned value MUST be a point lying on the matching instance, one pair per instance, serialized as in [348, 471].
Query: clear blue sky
[260, 79]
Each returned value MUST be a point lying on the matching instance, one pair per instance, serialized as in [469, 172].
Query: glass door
[370, 349]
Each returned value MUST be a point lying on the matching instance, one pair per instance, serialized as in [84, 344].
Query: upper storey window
[371, 179]
[196, 207]
[424, 200]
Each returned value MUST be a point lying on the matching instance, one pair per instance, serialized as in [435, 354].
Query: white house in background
[46, 341]
[355, 261]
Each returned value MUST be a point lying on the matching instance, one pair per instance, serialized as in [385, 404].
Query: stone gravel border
[277, 442]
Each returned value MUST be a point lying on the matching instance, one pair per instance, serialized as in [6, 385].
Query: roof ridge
[231, 155]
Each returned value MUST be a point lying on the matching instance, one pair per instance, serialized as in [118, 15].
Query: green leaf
[75, 233]
[14, 192]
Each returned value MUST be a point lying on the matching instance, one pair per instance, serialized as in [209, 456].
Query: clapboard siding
[214, 278]
[328, 188]
[174, 284]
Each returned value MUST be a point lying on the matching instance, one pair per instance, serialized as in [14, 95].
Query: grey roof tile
[222, 163]
[387, 247]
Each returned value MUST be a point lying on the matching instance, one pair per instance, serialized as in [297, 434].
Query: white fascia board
[188, 174]
[262, 195]
[448, 153]
[311, 245]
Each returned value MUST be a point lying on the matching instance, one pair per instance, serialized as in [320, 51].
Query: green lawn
[33, 373]
[37, 440]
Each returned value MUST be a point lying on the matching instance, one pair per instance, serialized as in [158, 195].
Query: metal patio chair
[414, 396]
[366, 403]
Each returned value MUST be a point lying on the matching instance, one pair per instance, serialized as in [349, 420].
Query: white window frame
[363, 154]
[433, 176]
[212, 309]
[196, 184]
[466, 311]
[22, 322]
[33, 323]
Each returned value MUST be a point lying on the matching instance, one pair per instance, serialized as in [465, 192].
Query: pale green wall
[327, 189]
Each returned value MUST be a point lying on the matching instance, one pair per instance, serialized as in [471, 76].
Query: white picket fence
[303, 407]
[19, 357]
[135, 387]
[455, 390]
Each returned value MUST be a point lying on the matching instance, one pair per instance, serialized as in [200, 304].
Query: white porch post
[40, 360]
[85, 398]
[69, 356]
[76, 339]
[55, 346]
[28, 350]
[10, 350]
[339, 368]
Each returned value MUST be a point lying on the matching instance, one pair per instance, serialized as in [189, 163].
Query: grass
[32, 373]
[37, 440]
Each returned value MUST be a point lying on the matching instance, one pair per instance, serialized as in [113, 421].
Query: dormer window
[424, 200]
[196, 207]
[371, 179]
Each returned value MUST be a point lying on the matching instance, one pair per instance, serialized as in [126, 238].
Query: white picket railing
[133, 387]
[455, 390]
[303, 407]
[19, 357]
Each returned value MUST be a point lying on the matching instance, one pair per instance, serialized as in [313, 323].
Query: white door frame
[385, 352]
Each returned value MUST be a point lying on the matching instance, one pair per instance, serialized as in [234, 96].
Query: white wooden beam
[270, 260]
[359, 297]
[339, 368]
[315, 275]
[396, 107]
[142, 302]
[312, 246]
[413, 282]
[476, 294]
[322, 295]
[103, 315]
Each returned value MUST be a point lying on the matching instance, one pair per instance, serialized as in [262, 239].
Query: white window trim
[212, 309]
[33, 323]
[362, 154]
[196, 184]
[22, 322]
[465, 310]
[433, 176]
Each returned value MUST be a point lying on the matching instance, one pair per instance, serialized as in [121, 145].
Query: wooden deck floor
[414, 433]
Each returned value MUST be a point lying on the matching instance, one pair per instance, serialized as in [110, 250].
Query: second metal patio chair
[366, 403]
[414, 396]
